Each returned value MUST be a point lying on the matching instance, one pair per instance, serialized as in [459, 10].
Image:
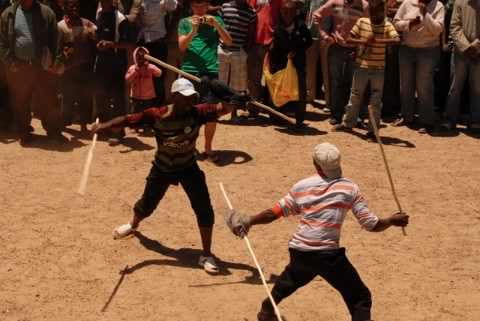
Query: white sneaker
[208, 263]
[123, 231]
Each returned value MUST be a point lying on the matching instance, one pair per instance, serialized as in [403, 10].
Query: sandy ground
[59, 261]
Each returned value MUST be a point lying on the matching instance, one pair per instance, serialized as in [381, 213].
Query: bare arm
[265, 217]
[223, 34]
[184, 40]
[119, 121]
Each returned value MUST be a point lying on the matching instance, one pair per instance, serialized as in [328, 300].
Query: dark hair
[199, 1]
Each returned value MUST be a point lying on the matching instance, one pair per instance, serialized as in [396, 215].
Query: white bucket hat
[327, 157]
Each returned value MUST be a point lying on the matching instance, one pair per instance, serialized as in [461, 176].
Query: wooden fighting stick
[384, 157]
[88, 163]
[275, 307]
[196, 79]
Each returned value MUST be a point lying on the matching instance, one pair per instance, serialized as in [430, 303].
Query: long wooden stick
[86, 168]
[196, 79]
[275, 307]
[384, 157]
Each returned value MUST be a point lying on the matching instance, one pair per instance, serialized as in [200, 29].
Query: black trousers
[334, 267]
[193, 182]
[77, 91]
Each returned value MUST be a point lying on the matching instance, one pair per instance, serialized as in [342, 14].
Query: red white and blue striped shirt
[323, 205]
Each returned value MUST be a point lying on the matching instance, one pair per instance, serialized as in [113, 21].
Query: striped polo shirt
[176, 135]
[372, 56]
[323, 205]
[237, 21]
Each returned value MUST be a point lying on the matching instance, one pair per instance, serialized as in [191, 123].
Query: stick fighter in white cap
[176, 129]
[322, 200]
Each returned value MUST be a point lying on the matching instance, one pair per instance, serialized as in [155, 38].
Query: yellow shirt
[372, 55]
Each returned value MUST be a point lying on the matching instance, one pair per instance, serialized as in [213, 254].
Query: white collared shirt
[153, 19]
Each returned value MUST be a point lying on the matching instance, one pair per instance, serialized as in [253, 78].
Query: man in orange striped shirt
[322, 200]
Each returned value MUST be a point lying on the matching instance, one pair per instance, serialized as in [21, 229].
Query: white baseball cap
[184, 87]
[327, 157]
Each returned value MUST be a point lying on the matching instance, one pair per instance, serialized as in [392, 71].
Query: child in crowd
[141, 77]
[371, 35]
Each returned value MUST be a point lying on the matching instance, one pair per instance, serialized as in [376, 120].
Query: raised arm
[217, 23]
[120, 121]
[187, 30]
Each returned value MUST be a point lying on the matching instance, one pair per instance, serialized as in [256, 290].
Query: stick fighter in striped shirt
[176, 129]
[322, 200]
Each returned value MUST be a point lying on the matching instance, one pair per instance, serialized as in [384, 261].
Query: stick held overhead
[196, 79]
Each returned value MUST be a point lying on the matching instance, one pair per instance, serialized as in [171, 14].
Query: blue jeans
[362, 77]
[417, 68]
[340, 61]
[464, 68]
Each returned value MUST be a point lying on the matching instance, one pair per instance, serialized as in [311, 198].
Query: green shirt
[201, 55]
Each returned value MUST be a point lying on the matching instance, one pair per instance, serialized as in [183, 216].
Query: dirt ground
[59, 261]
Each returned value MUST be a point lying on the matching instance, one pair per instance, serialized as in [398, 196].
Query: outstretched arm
[240, 224]
[119, 121]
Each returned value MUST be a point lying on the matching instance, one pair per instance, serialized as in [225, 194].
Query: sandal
[208, 263]
[123, 231]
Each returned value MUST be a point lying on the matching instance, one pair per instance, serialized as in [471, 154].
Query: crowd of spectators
[415, 62]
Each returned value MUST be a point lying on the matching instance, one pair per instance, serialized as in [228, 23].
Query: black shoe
[334, 121]
[402, 122]
[26, 139]
[341, 128]
[58, 138]
[449, 127]
[370, 136]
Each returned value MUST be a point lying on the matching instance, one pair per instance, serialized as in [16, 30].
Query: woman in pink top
[140, 77]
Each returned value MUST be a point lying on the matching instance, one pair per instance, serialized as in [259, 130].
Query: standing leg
[474, 78]
[193, 182]
[407, 84]
[427, 61]
[45, 94]
[300, 109]
[359, 86]
[455, 93]
[20, 86]
[154, 191]
[376, 86]
[325, 71]
[313, 55]
[340, 273]
[298, 273]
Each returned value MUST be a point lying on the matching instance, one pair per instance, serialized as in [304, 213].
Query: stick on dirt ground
[275, 307]
[384, 157]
